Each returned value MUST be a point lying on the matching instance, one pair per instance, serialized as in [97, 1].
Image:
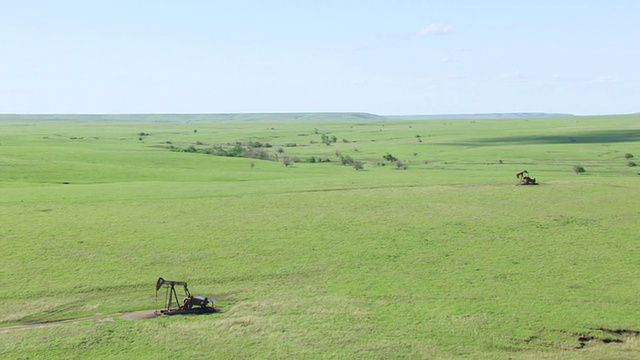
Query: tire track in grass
[132, 315]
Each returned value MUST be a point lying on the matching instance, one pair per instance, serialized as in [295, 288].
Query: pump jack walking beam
[172, 290]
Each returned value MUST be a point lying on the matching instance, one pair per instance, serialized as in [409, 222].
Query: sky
[385, 57]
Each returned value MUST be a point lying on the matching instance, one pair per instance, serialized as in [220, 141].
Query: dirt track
[138, 315]
[134, 315]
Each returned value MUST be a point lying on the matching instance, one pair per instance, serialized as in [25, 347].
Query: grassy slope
[445, 259]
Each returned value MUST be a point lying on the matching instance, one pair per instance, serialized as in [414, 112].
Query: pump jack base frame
[192, 311]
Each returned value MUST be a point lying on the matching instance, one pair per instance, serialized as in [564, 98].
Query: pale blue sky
[378, 56]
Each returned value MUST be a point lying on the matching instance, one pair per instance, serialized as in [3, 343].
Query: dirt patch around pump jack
[139, 315]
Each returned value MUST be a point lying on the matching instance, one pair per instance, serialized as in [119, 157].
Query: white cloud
[513, 76]
[435, 29]
[569, 79]
[604, 80]
[583, 80]
[449, 60]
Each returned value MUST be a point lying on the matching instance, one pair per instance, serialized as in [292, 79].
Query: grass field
[443, 259]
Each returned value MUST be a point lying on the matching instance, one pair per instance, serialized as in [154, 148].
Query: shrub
[358, 165]
[236, 151]
[628, 155]
[259, 154]
[631, 163]
[578, 169]
[346, 160]
[401, 165]
[390, 158]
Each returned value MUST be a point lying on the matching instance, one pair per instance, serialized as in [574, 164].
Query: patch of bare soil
[622, 332]
[621, 335]
[139, 315]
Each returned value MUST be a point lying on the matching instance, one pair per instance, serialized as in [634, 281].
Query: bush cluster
[328, 140]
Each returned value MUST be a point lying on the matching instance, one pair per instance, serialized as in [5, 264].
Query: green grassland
[443, 259]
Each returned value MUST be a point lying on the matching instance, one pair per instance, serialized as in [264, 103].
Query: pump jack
[524, 179]
[189, 305]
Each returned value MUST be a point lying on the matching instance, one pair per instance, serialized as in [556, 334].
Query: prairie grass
[447, 259]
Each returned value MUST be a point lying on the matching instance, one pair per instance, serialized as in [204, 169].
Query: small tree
[578, 169]
[286, 161]
[401, 165]
[358, 165]
[346, 160]
[390, 158]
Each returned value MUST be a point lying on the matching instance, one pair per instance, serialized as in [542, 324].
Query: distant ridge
[313, 116]
[248, 117]
[302, 116]
[479, 116]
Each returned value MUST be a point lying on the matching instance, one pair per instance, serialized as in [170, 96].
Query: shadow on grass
[593, 137]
